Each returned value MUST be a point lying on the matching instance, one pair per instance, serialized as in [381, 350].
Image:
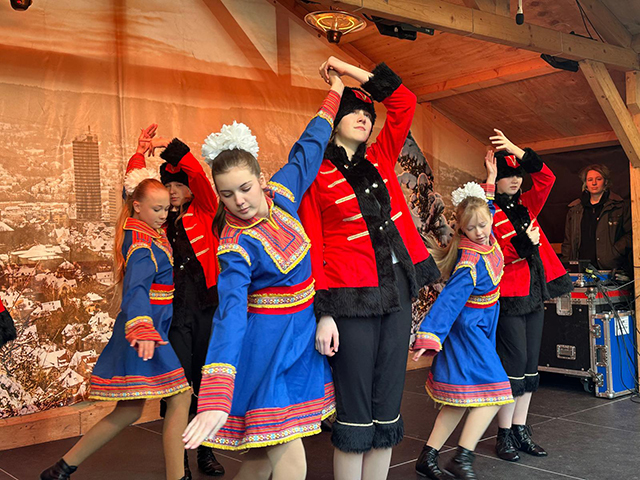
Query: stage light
[20, 5]
[334, 24]
[403, 31]
[561, 63]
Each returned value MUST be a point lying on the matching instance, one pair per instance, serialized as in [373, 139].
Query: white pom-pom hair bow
[236, 135]
[470, 189]
[137, 175]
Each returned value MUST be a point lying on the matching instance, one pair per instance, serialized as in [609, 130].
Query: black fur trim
[560, 286]
[531, 162]
[375, 205]
[352, 302]
[175, 151]
[517, 387]
[7, 328]
[531, 384]
[383, 82]
[523, 245]
[388, 435]
[427, 272]
[166, 177]
[350, 439]
[354, 99]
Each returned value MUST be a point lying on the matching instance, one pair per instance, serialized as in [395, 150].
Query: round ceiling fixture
[334, 23]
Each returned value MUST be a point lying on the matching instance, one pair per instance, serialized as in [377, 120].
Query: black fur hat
[354, 99]
[508, 165]
[169, 173]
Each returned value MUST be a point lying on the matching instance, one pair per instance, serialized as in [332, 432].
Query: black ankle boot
[207, 462]
[462, 464]
[507, 445]
[427, 465]
[187, 470]
[523, 434]
[59, 471]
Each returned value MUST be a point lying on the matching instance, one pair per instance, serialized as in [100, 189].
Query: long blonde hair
[141, 191]
[446, 257]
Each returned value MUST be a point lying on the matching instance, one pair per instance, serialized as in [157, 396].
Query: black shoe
[187, 470]
[59, 471]
[427, 465]
[462, 464]
[523, 434]
[507, 445]
[207, 462]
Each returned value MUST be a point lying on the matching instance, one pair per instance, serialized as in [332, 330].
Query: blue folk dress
[145, 314]
[262, 366]
[461, 326]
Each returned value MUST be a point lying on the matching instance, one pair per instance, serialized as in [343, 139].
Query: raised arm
[178, 155]
[306, 155]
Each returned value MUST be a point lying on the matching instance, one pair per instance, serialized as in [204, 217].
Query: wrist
[518, 152]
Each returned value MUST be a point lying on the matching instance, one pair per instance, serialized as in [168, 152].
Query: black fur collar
[338, 154]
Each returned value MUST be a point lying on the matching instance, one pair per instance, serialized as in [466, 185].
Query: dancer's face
[179, 193]
[354, 127]
[595, 182]
[241, 192]
[153, 208]
[509, 185]
[478, 229]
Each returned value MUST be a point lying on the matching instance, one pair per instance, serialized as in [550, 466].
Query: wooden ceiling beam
[614, 108]
[580, 142]
[484, 79]
[499, 7]
[606, 23]
[490, 27]
[635, 42]
[633, 92]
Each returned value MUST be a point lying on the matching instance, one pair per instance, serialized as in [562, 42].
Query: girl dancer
[137, 363]
[264, 385]
[461, 326]
[532, 274]
[368, 263]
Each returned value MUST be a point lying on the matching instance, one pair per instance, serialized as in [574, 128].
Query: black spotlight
[561, 63]
[20, 4]
[403, 31]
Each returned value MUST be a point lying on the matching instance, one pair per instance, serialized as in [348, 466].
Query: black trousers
[368, 375]
[189, 337]
[518, 342]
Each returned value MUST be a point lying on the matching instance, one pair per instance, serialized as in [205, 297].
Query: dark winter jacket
[613, 233]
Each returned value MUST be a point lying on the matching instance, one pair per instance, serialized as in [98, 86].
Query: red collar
[141, 227]
[237, 222]
[467, 244]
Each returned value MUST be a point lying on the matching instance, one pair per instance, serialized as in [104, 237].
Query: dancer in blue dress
[264, 384]
[138, 363]
[460, 329]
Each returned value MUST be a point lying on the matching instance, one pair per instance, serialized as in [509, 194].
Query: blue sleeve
[447, 307]
[294, 178]
[140, 271]
[229, 327]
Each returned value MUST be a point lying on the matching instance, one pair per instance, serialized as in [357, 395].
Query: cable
[584, 15]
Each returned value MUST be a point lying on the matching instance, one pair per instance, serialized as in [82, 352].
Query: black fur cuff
[522, 243]
[383, 83]
[531, 383]
[531, 162]
[322, 304]
[174, 152]
[7, 328]
[388, 435]
[352, 439]
[560, 286]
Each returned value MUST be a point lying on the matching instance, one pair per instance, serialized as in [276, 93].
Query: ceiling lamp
[335, 23]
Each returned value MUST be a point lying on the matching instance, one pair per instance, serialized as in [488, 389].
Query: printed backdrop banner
[78, 81]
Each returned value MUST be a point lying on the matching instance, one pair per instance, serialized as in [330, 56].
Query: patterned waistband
[279, 300]
[160, 294]
[484, 301]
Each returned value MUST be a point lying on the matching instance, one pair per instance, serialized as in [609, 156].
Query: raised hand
[491, 165]
[501, 142]
[144, 139]
[159, 142]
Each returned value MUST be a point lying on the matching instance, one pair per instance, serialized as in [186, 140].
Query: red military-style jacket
[355, 214]
[510, 223]
[198, 219]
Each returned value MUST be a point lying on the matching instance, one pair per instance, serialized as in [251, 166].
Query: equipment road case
[584, 338]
